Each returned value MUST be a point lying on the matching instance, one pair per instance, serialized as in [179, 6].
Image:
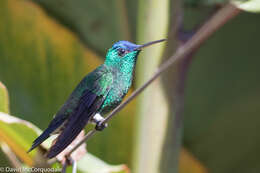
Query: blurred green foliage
[18, 134]
[222, 106]
[204, 2]
[41, 57]
[98, 23]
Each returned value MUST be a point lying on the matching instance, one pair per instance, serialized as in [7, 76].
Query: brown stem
[10, 155]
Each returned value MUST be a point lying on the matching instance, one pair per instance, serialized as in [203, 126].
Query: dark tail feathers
[40, 139]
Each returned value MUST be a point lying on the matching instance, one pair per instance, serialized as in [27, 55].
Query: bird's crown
[125, 45]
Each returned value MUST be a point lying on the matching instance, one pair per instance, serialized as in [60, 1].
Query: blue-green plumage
[99, 92]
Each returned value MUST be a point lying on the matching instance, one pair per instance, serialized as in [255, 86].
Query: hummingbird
[98, 93]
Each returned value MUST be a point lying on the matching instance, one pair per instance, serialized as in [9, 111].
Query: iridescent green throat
[121, 64]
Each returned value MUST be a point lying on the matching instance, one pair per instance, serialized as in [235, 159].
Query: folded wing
[97, 84]
[88, 105]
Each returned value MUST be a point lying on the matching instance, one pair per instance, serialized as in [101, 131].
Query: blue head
[123, 54]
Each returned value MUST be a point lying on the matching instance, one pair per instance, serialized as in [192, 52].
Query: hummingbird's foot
[100, 126]
[98, 119]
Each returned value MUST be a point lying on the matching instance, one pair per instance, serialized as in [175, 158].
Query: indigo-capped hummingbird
[98, 93]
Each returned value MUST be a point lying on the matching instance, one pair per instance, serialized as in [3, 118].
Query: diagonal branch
[218, 20]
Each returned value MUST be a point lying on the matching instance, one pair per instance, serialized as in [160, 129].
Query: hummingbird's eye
[121, 52]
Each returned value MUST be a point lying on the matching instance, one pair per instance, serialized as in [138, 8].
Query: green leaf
[190, 164]
[248, 5]
[18, 135]
[92, 164]
[98, 23]
[4, 99]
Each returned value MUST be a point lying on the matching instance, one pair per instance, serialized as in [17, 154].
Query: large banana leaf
[41, 62]
[18, 134]
[98, 23]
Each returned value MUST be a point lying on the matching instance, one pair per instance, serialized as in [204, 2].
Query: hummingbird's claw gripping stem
[100, 126]
[98, 120]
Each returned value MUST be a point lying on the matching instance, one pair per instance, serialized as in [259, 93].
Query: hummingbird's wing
[98, 85]
[85, 101]
[88, 105]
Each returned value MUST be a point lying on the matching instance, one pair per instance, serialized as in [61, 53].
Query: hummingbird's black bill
[149, 44]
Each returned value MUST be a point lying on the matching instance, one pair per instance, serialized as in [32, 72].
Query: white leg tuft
[97, 118]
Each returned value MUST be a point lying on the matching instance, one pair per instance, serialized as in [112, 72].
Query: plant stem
[218, 20]
[10, 155]
[74, 167]
[64, 167]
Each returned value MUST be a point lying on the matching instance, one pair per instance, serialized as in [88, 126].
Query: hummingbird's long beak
[149, 44]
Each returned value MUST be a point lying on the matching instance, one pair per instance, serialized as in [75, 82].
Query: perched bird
[98, 93]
